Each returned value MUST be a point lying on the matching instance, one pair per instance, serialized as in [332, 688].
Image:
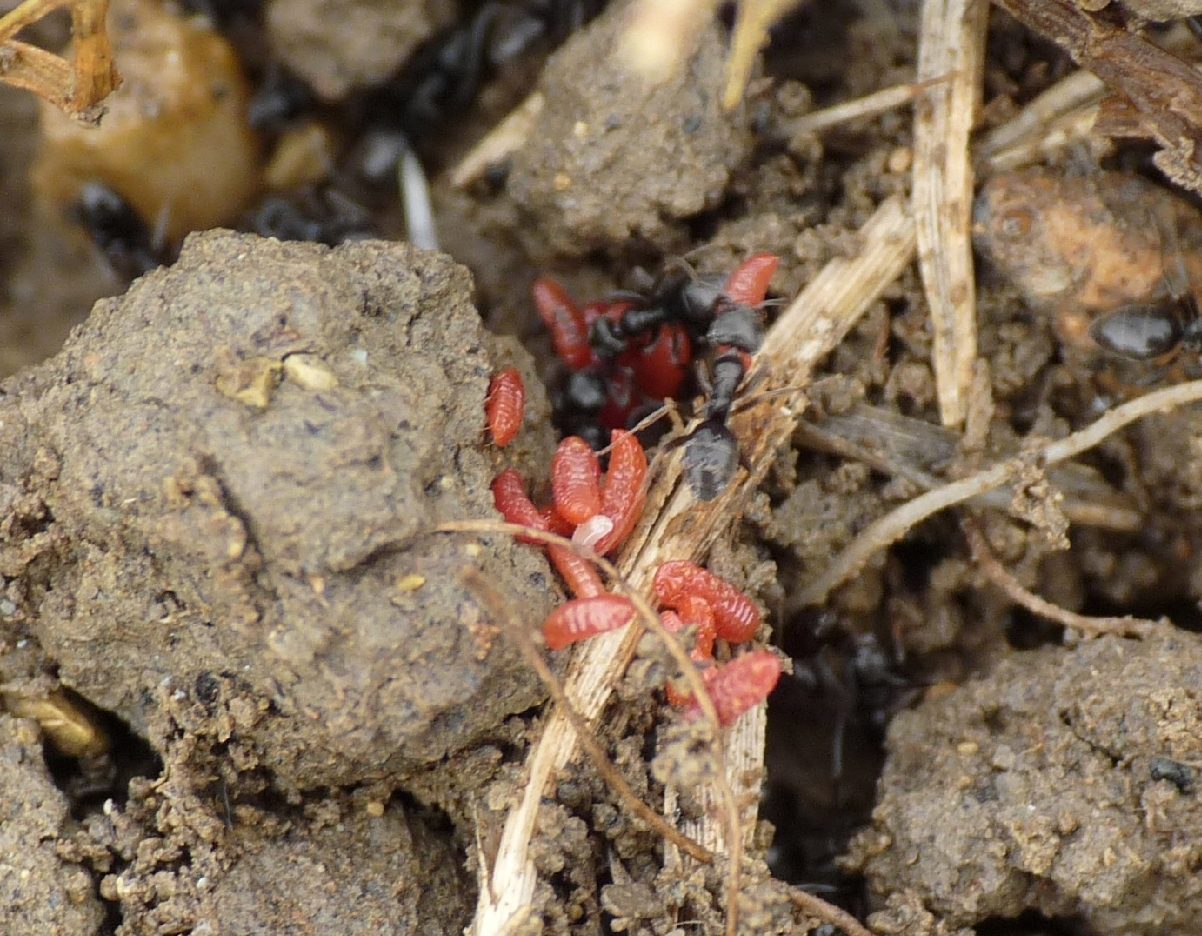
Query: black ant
[320, 215]
[716, 314]
[1148, 332]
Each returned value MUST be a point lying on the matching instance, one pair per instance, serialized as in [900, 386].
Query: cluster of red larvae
[600, 511]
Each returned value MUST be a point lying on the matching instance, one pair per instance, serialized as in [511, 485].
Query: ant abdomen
[1141, 332]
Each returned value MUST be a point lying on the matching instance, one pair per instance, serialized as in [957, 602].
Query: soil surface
[248, 688]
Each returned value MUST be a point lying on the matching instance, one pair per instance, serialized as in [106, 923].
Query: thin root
[879, 102]
[1013, 589]
[819, 909]
[895, 524]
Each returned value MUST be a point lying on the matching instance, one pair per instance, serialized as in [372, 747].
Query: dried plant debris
[1166, 91]
[952, 44]
[77, 88]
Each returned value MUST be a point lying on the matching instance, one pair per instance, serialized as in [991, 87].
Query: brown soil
[250, 691]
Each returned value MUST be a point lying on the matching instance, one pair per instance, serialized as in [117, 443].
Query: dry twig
[1166, 91]
[678, 527]
[879, 102]
[911, 448]
[951, 41]
[76, 87]
[1061, 115]
[755, 18]
[507, 137]
[894, 525]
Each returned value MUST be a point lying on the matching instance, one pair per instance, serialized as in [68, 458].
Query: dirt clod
[1039, 786]
[39, 892]
[612, 158]
[340, 45]
[203, 537]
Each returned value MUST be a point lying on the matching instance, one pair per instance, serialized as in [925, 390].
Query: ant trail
[588, 739]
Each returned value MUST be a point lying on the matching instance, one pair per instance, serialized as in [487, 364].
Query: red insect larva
[510, 497]
[748, 282]
[583, 618]
[623, 495]
[696, 612]
[554, 522]
[565, 322]
[513, 503]
[505, 406]
[576, 480]
[740, 685]
[736, 616]
[582, 578]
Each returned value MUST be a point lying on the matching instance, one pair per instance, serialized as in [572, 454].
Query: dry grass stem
[1062, 115]
[77, 87]
[676, 526]
[879, 102]
[894, 525]
[519, 634]
[951, 41]
[1013, 589]
[1166, 91]
[755, 18]
[508, 136]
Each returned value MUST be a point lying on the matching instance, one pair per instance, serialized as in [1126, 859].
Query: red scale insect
[740, 685]
[566, 323]
[505, 406]
[748, 283]
[513, 503]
